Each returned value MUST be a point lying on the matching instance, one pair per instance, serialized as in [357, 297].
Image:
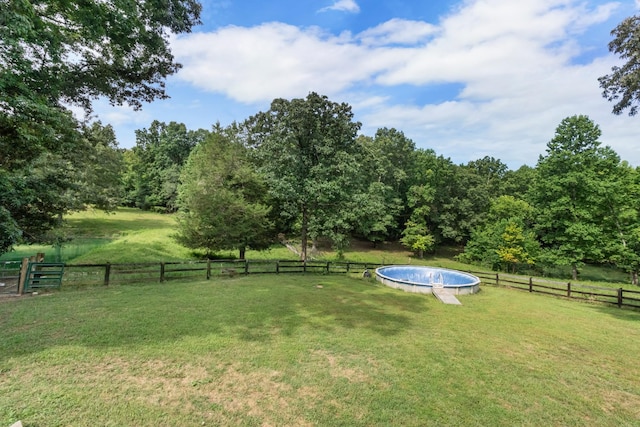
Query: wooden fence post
[497, 279]
[328, 263]
[619, 297]
[277, 267]
[208, 269]
[107, 273]
[161, 272]
[246, 266]
[23, 275]
[569, 290]
[530, 284]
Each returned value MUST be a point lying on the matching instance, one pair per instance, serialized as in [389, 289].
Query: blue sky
[468, 78]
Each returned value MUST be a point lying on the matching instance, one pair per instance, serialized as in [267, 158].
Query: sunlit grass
[314, 350]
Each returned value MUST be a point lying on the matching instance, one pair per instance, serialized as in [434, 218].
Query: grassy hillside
[128, 235]
[314, 350]
[132, 235]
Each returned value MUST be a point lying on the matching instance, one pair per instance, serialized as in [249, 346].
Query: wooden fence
[615, 296]
[105, 274]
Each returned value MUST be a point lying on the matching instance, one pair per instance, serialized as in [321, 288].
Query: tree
[416, 237]
[101, 168]
[158, 158]
[221, 198]
[375, 211]
[518, 183]
[623, 84]
[459, 201]
[307, 151]
[506, 240]
[623, 246]
[570, 194]
[386, 161]
[493, 172]
[57, 53]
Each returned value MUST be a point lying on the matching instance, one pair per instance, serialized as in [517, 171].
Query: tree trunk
[574, 271]
[303, 237]
[243, 251]
[634, 278]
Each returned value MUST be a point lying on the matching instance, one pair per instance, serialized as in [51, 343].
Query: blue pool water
[424, 279]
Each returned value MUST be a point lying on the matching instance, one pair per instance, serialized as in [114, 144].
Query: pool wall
[422, 280]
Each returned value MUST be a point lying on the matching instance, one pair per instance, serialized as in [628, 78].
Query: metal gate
[43, 275]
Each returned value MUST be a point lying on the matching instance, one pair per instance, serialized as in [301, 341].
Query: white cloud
[343, 6]
[274, 60]
[514, 62]
[398, 31]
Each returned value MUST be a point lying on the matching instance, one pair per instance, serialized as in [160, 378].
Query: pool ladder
[438, 283]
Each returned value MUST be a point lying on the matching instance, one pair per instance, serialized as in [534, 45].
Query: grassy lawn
[314, 350]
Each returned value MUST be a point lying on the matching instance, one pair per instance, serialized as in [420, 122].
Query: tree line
[302, 171]
[301, 168]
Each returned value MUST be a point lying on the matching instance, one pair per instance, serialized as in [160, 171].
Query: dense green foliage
[622, 86]
[55, 54]
[155, 164]
[307, 151]
[571, 194]
[222, 198]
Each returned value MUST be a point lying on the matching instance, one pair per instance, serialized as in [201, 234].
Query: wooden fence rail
[614, 296]
[105, 274]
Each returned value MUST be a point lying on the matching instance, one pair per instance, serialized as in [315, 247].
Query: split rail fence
[81, 275]
[105, 274]
[614, 296]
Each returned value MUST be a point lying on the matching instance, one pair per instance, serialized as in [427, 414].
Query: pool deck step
[445, 297]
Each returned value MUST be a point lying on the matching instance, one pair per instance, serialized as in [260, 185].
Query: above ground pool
[423, 279]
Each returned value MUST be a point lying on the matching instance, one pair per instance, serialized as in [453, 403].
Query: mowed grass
[125, 236]
[314, 350]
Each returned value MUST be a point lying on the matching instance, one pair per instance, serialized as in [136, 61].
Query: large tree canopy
[623, 84]
[55, 53]
[59, 53]
[75, 51]
[571, 194]
[308, 152]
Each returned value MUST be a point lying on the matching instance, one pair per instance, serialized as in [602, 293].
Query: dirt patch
[189, 388]
[347, 367]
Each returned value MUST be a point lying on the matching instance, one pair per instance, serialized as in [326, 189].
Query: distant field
[132, 235]
[314, 350]
[127, 235]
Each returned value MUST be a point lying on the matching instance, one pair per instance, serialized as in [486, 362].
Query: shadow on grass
[626, 314]
[256, 309]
